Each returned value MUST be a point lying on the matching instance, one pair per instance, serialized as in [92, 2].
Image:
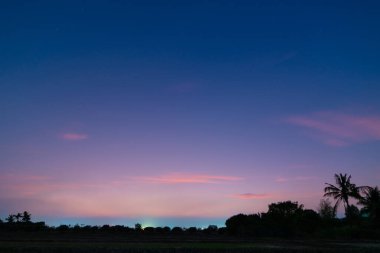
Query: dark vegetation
[290, 220]
[286, 227]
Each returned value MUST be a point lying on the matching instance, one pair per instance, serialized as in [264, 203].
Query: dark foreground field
[63, 243]
[258, 247]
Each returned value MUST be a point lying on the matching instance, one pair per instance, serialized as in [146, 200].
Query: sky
[184, 113]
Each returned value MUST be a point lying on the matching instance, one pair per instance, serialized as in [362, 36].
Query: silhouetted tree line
[283, 219]
[22, 222]
[289, 219]
[19, 217]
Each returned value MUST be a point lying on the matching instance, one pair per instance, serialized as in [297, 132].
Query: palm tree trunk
[347, 205]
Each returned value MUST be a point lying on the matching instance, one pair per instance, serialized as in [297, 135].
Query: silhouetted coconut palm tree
[343, 190]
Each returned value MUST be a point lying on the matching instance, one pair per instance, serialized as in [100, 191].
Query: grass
[194, 247]
[57, 242]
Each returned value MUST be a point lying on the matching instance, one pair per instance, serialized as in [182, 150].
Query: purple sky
[184, 113]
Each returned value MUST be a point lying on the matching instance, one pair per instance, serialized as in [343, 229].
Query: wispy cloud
[339, 129]
[299, 178]
[177, 178]
[22, 177]
[27, 185]
[17, 184]
[251, 196]
[74, 136]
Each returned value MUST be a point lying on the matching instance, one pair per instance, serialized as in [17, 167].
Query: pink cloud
[189, 179]
[27, 185]
[22, 177]
[74, 136]
[339, 129]
[251, 196]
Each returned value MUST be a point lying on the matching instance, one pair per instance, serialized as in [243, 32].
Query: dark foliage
[371, 206]
[283, 219]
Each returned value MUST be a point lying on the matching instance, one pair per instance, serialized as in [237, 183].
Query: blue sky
[147, 108]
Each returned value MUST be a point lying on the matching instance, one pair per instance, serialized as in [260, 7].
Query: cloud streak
[19, 185]
[189, 179]
[251, 196]
[339, 129]
[74, 136]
